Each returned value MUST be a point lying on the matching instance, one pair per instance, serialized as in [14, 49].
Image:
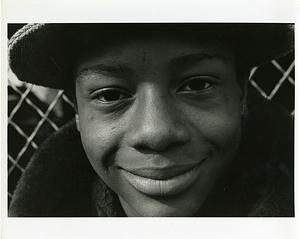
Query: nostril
[150, 149]
[157, 128]
[144, 149]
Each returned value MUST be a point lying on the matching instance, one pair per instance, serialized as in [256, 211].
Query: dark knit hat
[43, 54]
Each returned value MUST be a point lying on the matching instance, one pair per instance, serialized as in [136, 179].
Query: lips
[164, 181]
[161, 173]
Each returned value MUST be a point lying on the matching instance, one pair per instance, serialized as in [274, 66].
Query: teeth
[165, 187]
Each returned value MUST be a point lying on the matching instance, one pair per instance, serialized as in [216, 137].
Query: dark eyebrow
[117, 70]
[185, 61]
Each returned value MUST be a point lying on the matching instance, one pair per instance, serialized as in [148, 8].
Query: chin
[185, 203]
[181, 205]
[164, 210]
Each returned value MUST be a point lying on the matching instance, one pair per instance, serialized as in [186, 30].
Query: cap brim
[40, 53]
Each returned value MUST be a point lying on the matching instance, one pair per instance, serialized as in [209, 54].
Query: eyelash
[118, 94]
[211, 81]
[111, 92]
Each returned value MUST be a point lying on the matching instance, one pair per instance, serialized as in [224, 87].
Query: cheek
[100, 139]
[223, 128]
[220, 126]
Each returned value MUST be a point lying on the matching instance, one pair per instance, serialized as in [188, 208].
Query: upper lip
[161, 173]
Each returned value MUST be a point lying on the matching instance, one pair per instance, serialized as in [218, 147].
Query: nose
[157, 125]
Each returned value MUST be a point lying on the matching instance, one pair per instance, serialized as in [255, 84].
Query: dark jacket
[59, 181]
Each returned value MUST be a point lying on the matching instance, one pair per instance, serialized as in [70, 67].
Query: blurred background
[36, 112]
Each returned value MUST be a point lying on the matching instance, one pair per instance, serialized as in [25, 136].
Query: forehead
[155, 49]
[99, 40]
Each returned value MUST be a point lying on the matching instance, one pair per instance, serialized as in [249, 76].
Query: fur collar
[59, 180]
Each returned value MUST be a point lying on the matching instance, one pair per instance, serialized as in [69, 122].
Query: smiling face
[159, 121]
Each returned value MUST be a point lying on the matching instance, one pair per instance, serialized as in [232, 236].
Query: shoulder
[268, 151]
[57, 173]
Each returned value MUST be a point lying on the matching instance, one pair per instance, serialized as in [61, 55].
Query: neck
[129, 211]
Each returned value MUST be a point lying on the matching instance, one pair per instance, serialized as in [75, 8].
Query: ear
[77, 122]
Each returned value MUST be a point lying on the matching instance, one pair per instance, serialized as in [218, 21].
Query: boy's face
[159, 120]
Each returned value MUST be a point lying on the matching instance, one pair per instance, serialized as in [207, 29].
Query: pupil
[111, 95]
[197, 85]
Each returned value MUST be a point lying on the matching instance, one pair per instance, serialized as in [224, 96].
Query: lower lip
[167, 187]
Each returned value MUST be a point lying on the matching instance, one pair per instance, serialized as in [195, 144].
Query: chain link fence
[36, 112]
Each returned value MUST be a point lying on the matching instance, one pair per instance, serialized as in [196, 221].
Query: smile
[155, 182]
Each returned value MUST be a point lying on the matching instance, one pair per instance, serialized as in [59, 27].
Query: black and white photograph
[151, 120]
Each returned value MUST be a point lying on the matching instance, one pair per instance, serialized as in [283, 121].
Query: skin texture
[159, 104]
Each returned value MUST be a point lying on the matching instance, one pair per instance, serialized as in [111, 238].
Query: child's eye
[111, 95]
[196, 84]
